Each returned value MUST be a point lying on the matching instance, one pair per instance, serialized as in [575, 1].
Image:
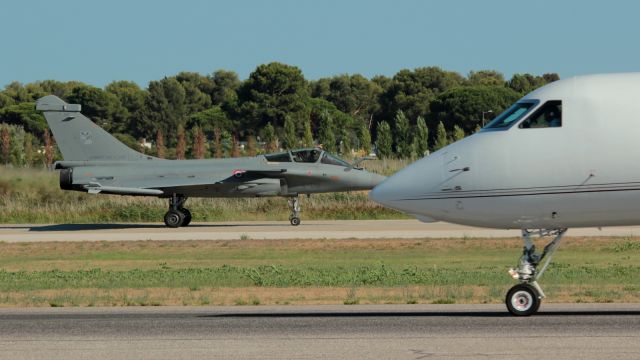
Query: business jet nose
[402, 190]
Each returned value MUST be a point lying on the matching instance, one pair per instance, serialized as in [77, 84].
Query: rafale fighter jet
[565, 155]
[96, 162]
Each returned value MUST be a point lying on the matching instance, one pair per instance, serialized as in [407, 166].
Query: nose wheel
[177, 215]
[524, 299]
[294, 206]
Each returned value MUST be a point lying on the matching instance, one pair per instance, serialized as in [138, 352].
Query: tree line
[191, 115]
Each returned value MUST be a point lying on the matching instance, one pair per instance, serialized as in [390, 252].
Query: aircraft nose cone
[376, 179]
[402, 190]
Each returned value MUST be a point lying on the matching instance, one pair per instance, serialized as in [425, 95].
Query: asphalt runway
[343, 229]
[572, 331]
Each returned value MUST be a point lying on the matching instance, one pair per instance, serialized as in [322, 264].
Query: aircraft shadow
[87, 227]
[376, 314]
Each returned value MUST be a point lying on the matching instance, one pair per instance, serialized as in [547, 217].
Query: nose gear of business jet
[524, 299]
[294, 205]
[177, 215]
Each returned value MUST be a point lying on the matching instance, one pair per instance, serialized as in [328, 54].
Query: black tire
[187, 217]
[173, 218]
[523, 300]
[295, 221]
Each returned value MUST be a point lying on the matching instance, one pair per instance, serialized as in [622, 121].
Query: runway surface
[270, 230]
[600, 331]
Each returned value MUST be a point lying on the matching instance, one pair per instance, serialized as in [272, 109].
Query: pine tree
[48, 149]
[251, 145]
[365, 139]
[235, 149]
[326, 136]
[181, 146]
[441, 137]
[29, 154]
[421, 138]
[160, 148]
[270, 138]
[198, 143]
[308, 135]
[6, 144]
[290, 136]
[401, 135]
[458, 133]
[384, 140]
[217, 144]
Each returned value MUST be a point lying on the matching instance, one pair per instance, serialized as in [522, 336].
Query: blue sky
[100, 41]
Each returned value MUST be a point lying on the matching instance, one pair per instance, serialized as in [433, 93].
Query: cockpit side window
[511, 115]
[279, 157]
[548, 115]
[306, 155]
[333, 160]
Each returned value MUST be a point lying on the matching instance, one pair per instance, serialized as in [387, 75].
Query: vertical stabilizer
[79, 138]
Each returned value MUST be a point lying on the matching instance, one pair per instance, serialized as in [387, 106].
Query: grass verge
[250, 272]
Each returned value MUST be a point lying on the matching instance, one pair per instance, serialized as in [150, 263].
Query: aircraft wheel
[173, 218]
[523, 300]
[187, 216]
[295, 221]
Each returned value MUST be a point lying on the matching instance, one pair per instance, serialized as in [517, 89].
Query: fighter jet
[562, 156]
[97, 163]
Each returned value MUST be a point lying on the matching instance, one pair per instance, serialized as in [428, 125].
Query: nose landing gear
[294, 205]
[524, 299]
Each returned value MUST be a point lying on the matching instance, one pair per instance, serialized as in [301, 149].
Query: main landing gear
[524, 299]
[294, 205]
[177, 215]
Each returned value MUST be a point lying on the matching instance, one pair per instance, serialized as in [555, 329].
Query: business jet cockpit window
[334, 160]
[306, 155]
[511, 115]
[547, 116]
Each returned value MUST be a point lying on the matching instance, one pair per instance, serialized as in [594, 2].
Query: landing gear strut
[177, 215]
[524, 299]
[294, 205]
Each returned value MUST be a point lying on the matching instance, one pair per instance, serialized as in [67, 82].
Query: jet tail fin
[79, 138]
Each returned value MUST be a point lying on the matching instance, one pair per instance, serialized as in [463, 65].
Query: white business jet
[565, 155]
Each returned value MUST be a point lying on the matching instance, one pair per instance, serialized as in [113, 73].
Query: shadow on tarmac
[376, 314]
[89, 227]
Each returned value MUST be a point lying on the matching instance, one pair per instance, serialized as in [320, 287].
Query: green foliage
[421, 138]
[271, 93]
[364, 136]
[486, 78]
[279, 94]
[402, 135]
[290, 137]
[326, 133]
[307, 139]
[413, 90]
[464, 106]
[441, 137]
[210, 119]
[384, 140]
[524, 83]
[24, 115]
[270, 138]
[165, 109]
[458, 133]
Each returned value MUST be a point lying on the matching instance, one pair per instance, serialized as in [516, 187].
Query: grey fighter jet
[96, 162]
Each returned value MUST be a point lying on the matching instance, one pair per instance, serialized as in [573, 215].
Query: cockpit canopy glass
[334, 160]
[279, 157]
[511, 115]
[306, 155]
